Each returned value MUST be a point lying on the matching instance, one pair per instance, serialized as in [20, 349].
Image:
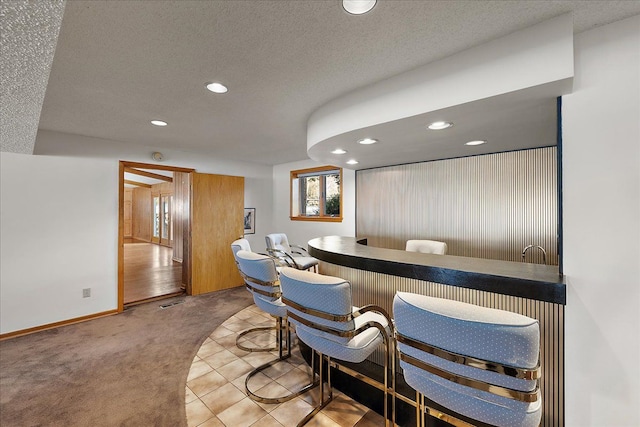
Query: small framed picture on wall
[249, 220]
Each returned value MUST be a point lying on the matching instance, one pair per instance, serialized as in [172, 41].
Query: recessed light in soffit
[216, 87]
[158, 123]
[478, 142]
[439, 125]
[352, 162]
[367, 141]
[358, 7]
[339, 151]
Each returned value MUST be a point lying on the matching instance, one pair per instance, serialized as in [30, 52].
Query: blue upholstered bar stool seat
[478, 362]
[321, 309]
[291, 255]
[261, 278]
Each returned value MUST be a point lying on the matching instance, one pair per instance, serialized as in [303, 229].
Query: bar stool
[243, 245]
[261, 278]
[477, 362]
[325, 320]
[291, 255]
[426, 247]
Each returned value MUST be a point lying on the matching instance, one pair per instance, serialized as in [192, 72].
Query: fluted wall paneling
[379, 289]
[489, 206]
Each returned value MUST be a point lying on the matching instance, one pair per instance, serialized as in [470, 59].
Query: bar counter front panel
[533, 290]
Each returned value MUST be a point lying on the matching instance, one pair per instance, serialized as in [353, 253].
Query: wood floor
[149, 272]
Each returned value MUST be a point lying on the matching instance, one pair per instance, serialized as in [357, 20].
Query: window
[316, 194]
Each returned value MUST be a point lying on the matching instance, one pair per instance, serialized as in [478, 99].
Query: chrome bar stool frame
[295, 310]
[270, 290]
[243, 245]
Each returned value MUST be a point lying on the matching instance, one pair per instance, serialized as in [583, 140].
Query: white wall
[59, 224]
[601, 199]
[258, 187]
[300, 232]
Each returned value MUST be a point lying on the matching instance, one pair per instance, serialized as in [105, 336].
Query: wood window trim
[295, 174]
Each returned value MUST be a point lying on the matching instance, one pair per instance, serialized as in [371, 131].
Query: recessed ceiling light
[440, 125]
[478, 142]
[338, 151]
[367, 141]
[158, 123]
[352, 162]
[217, 87]
[358, 7]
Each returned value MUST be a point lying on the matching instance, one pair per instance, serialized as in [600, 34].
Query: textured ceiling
[120, 64]
[28, 40]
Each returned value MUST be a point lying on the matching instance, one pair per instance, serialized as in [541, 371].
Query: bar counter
[534, 290]
[531, 281]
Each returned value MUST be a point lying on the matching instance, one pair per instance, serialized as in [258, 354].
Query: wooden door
[217, 208]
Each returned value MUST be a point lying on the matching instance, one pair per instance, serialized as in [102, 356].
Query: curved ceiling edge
[537, 60]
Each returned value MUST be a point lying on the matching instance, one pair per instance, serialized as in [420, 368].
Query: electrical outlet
[86, 293]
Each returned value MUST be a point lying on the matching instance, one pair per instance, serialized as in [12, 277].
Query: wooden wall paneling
[148, 174]
[128, 212]
[163, 188]
[217, 220]
[141, 214]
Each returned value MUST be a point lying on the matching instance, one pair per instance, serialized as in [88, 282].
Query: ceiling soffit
[503, 91]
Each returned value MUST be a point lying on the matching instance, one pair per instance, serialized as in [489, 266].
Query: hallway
[150, 272]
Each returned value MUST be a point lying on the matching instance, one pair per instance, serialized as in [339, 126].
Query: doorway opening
[152, 233]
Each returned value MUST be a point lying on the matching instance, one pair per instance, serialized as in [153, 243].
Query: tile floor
[215, 392]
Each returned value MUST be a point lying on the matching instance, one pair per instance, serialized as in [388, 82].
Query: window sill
[316, 218]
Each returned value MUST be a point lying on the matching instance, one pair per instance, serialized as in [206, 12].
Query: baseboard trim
[35, 329]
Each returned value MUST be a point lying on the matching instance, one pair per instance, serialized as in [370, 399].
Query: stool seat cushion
[479, 405]
[332, 297]
[305, 262]
[355, 350]
[272, 307]
[488, 334]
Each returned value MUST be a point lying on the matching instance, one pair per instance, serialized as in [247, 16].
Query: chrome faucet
[544, 253]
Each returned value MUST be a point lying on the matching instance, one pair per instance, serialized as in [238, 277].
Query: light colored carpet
[124, 370]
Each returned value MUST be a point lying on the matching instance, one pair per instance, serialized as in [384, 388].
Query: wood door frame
[127, 164]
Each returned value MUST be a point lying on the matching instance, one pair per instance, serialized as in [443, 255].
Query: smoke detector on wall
[157, 156]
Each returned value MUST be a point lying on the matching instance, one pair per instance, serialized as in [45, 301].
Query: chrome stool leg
[323, 402]
[281, 357]
[242, 334]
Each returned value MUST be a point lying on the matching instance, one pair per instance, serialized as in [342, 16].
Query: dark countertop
[532, 281]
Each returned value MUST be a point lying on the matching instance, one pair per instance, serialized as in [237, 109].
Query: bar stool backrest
[426, 247]
[240, 245]
[306, 293]
[480, 362]
[260, 274]
[278, 241]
